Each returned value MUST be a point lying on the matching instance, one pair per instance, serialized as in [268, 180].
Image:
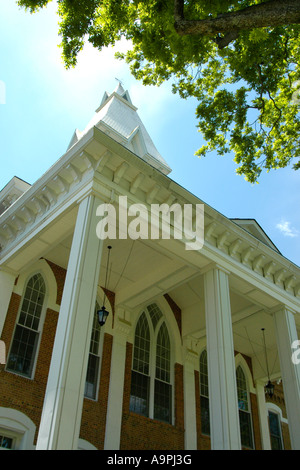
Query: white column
[116, 386]
[263, 416]
[7, 281]
[286, 334]
[61, 417]
[190, 425]
[224, 417]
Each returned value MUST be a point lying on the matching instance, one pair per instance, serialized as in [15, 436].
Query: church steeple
[118, 117]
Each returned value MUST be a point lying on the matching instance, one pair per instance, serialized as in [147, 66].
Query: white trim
[42, 267]
[240, 361]
[276, 409]
[85, 445]
[19, 426]
[39, 331]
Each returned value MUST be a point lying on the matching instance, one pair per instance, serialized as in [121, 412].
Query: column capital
[214, 266]
[122, 324]
[8, 271]
[282, 308]
[191, 355]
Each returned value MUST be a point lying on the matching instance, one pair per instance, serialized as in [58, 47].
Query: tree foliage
[238, 58]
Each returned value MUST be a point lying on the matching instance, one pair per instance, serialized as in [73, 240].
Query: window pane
[33, 302]
[163, 354]
[246, 429]
[203, 374]
[139, 394]
[162, 401]
[94, 359]
[205, 423]
[244, 409]
[96, 329]
[22, 352]
[242, 389]
[275, 433]
[155, 314]
[6, 442]
[141, 353]
[92, 377]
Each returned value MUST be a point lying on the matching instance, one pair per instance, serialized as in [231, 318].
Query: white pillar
[190, 425]
[7, 281]
[286, 334]
[116, 386]
[224, 417]
[263, 416]
[61, 417]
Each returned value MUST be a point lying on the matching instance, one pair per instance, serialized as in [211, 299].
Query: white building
[181, 361]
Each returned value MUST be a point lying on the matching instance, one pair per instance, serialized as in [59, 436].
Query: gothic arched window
[23, 350]
[93, 369]
[204, 397]
[151, 388]
[244, 409]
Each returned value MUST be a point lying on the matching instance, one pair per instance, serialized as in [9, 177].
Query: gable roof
[252, 227]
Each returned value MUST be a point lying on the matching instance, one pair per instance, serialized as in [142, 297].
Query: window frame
[248, 411]
[276, 410]
[203, 395]
[98, 355]
[153, 332]
[38, 331]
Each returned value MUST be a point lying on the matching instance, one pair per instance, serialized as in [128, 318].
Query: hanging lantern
[103, 313]
[269, 387]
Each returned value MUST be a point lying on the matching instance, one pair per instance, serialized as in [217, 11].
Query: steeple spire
[117, 116]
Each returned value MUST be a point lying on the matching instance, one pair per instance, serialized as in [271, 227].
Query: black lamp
[269, 387]
[103, 313]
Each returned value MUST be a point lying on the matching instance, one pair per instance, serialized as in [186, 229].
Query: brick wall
[255, 422]
[20, 393]
[27, 395]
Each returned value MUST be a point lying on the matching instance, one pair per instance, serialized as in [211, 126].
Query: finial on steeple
[119, 88]
[120, 81]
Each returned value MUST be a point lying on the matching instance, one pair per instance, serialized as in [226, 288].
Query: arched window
[244, 409]
[204, 397]
[151, 389]
[26, 336]
[93, 369]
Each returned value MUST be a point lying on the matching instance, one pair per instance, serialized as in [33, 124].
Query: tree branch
[271, 13]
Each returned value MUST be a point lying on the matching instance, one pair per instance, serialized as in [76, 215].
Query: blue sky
[43, 103]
